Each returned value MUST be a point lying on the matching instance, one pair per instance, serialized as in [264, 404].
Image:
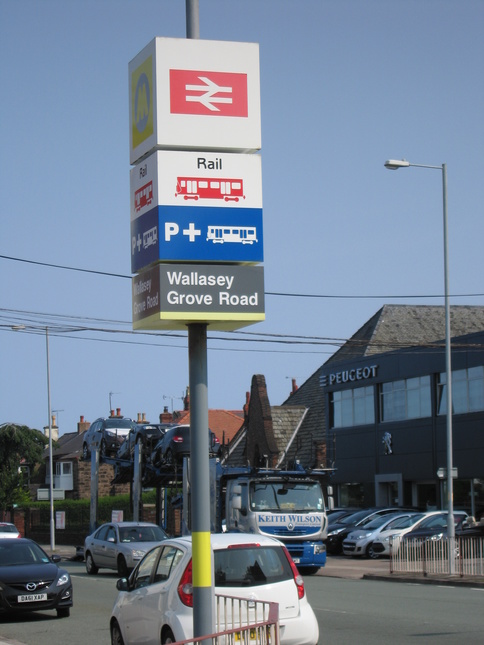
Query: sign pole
[198, 378]
[192, 17]
[200, 511]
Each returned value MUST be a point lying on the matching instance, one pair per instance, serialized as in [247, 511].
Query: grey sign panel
[170, 296]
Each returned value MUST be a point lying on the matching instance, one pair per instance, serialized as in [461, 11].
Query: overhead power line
[266, 293]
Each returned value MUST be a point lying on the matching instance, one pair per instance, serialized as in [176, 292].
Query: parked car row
[373, 532]
[162, 444]
[339, 530]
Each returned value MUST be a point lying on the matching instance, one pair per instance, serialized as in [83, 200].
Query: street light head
[395, 164]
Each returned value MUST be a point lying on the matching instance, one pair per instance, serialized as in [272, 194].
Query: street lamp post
[51, 458]
[395, 164]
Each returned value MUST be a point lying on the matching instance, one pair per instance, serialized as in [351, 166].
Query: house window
[467, 391]
[63, 468]
[405, 399]
[352, 407]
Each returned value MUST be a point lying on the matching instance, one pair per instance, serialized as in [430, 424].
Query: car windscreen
[18, 553]
[141, 534]
[286, 496]
[249, 566]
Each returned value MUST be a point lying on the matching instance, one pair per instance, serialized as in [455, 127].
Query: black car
[147, 434]
[30, 580]
[175, 444]
[339, 530]
[109, 433]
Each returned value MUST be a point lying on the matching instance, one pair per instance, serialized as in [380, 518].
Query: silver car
[120, 545]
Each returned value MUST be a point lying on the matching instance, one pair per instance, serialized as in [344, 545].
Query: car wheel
[90, 566]
[167, 636]
[370, 552]
[123, 570]
[63, 612]
[85, 451]
[116, 636]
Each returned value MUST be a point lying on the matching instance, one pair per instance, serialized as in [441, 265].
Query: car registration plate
[33, 597]
[296, 560]
[253, 637]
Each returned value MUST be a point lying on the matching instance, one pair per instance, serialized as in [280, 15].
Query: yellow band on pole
[201, 559]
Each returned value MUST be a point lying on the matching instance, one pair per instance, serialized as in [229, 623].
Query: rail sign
[218, 179]
[196, 207]
[171, 296]
[191, 94]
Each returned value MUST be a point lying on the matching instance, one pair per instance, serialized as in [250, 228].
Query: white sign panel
[212, 179]
[193, 94]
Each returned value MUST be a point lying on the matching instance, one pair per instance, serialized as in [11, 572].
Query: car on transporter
[108, 433]
[255, 568]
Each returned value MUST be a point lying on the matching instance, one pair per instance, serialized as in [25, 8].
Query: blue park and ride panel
[179, 234]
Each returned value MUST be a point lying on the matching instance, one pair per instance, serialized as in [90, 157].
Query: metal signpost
[196, 223]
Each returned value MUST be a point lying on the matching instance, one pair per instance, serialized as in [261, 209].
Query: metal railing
[241, 621]
[433, 556]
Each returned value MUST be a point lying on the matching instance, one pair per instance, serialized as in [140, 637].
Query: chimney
[82, 425]
[54, 428]
[111, 413]
[294, 386]
[165, 416]
[144, 417]
[246, 406]
[118, 412]
[186, 400]
[138, 420]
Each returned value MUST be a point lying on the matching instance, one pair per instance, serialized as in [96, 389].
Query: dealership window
[467, 391]
[405, 399]
[353, 407]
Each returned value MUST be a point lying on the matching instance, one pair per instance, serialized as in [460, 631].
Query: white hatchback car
[155, 605]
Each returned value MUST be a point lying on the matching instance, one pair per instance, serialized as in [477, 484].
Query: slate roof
[69, 446]
[392, 328]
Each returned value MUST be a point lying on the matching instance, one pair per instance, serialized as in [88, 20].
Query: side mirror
[122, 584]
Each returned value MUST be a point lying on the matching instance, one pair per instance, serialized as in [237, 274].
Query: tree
[18, 445]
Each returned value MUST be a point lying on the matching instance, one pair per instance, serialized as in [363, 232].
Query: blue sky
[345, 85]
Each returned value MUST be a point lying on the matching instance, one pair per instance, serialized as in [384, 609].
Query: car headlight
[137, 553]
[335, 532]
[359, 536]
[64, 579]
[438, 536]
